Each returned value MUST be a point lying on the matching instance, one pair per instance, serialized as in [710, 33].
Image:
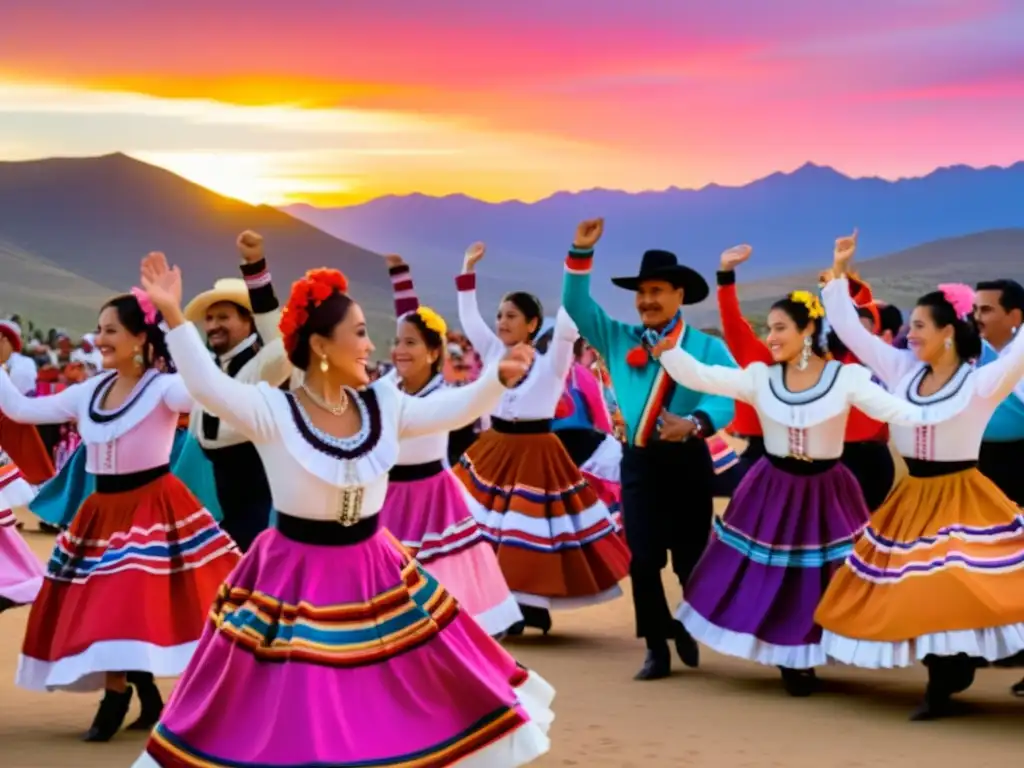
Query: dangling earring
[948, 343]
[324, 364]
[805, 355]
[139, 360]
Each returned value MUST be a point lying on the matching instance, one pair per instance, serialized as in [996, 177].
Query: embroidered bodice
[134, 437]
[537, 395]
[312, 474]
[957, 413]
[424, 448]
[810, 424]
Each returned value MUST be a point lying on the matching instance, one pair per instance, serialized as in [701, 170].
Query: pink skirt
[426, 510]
[346, 654]
[21, 573]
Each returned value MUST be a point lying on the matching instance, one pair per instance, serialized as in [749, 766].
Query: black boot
[799, 682]
[658, 662]
[516, 629]
[946, 675]
[5, 603]
[150, 698]
[686, 646]
[538, 618]
[110, 716]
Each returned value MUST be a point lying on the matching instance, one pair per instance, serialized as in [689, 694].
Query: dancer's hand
[588, 233]
[515, 365]
[843, 253]
[675, 429]
[394, 260]
[250, 246]
[163, 285]
[733, 257]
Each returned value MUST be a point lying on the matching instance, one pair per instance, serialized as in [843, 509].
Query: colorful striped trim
[948, 533]
[579, 262]
[170, 750]
[347, 635]
[762, 553]
[466, 281]
[403, 290]
[456, 538]
[195, 541]
[663, 384]
[8, 475]
[528, 493]
[7, 518]
[886, 575]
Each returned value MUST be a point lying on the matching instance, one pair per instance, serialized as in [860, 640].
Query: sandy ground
[727, 714]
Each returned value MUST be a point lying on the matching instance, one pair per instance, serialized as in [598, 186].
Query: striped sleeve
[403, 290]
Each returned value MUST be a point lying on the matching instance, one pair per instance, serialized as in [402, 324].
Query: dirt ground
[727, 714]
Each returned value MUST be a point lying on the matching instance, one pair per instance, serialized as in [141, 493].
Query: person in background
[21, 369]
[87, 354]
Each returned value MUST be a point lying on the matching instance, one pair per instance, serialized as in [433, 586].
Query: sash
[660, 394]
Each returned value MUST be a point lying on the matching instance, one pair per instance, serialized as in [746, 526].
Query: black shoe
[1017, 689]
[47, 528]
[799, 682]
[516, 629]
[110, 716]
[657, 665]
[150, 698]
[686, 646]
[5, 603]
[538, 618]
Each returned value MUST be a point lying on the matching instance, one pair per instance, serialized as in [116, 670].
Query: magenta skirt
[21, 573]
[426, 510]
[346, 654]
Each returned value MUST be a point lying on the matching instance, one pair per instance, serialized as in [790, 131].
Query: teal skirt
[60, 497]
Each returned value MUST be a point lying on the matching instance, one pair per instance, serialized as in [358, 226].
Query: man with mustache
[241, 319]
[667, 475]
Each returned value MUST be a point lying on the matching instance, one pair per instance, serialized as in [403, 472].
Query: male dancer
[667, 474]
[241, 319]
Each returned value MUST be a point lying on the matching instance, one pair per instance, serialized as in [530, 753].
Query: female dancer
[329, 641]
[557, 543]
[938, 576]
[425, 507]
[866, 450]
[129, 583]
[794, 517]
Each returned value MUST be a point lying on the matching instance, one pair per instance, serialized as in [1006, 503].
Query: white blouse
[537, 395]
[424, 448]
[312, 474]
[810, 424]
[957, 414]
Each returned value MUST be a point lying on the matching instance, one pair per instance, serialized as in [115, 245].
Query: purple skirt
[770, 558]
[346, 655]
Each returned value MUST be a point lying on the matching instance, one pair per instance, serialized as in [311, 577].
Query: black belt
[329, 533]
[923, 468]
[526, 427]
[802, 467]
[130, 481]
[406, 473]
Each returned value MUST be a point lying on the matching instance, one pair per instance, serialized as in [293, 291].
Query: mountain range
[72, 232]
[791, 220]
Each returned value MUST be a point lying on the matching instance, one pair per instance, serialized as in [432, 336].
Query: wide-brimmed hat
[12, 331]
[231, 289]
[662, 265]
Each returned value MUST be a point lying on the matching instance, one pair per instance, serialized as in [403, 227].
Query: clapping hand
[588, 233]
[474, 254]
[733, 257]
[843, 253]
[675, 429]
[250, 246]
[515, 365]
[163, 285]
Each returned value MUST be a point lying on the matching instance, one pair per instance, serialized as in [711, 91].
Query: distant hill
[96, 217]
[791, 219]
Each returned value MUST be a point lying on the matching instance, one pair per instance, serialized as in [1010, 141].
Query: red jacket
[747, 348]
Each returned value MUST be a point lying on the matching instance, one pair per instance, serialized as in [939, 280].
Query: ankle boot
[799, 682]
[150, 698]
[538, 618]
[110, 715]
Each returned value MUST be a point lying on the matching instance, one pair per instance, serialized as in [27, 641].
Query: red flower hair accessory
[307, 294]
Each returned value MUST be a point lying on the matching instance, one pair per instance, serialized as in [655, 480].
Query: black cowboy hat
[662, 265]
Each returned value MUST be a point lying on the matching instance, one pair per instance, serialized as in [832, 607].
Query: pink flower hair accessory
[149, 312]
[961, 297]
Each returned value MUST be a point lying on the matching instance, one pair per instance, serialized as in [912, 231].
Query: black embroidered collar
[99, 395]
[360, 444]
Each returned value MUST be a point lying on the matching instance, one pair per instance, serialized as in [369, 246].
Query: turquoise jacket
[639, 390]
[1007, 423]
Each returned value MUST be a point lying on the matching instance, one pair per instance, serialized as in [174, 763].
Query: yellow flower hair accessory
[433, 321]
[809, 300]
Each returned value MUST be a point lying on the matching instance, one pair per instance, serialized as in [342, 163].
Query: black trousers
[871, 463]
[667, 506]
[243, 492]
[1003, 464]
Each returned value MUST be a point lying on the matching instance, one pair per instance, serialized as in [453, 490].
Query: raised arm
[176, 396]
[874, 401]
[271, 362]
[744, 344]
[47, 409]
[402, 286]
[563, 342]
[594, 324]
[999, 378]
[714, 380]
[480, 335]
[716, 408]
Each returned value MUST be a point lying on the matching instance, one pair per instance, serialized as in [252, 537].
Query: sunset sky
[338, 101]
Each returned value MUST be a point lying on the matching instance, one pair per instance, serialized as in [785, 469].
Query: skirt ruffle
[347, 656]
[769, 561]
[15, 490]
[939, 571]
[127, 588]
[431, 519]
[21, 574]
[557, 543]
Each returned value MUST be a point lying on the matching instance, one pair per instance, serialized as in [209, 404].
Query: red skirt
[128, 588]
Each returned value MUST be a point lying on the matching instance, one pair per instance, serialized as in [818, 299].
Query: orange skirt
[939, 571]
[557, 543]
